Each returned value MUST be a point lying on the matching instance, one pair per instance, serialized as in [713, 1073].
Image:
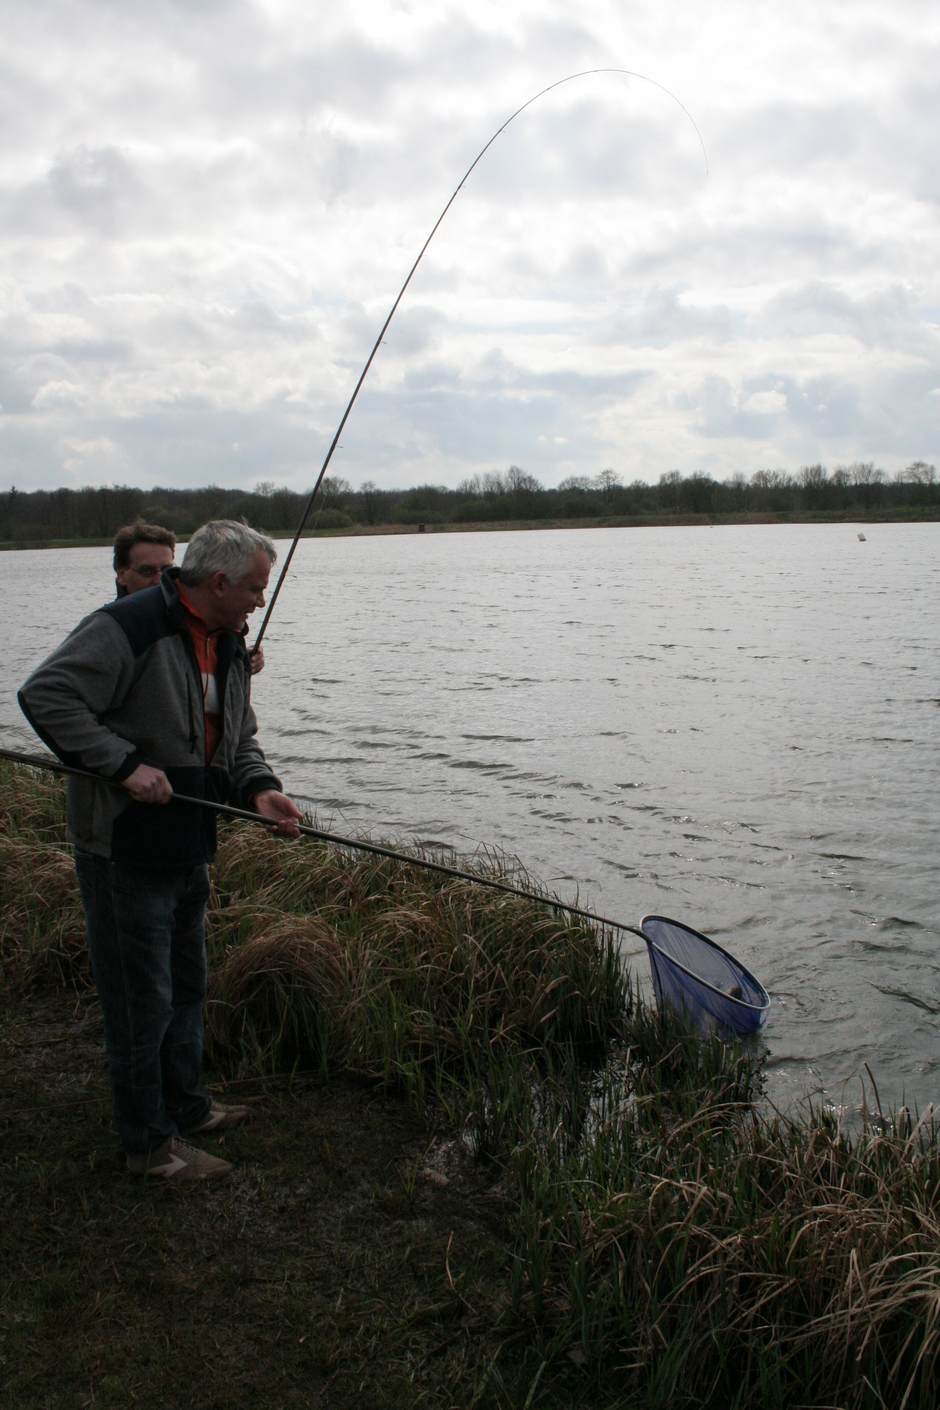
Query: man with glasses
[141, 552]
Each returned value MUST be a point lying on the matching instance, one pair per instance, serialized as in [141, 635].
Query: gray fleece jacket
[123, 689]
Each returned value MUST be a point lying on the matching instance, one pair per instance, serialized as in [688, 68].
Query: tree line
[859, 489]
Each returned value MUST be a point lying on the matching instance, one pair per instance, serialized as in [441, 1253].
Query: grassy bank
[480, 1172]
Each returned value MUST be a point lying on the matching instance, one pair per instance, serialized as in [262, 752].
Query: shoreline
[614, 521]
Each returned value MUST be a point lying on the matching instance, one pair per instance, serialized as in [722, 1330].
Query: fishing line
[38, 761]
[585, 73]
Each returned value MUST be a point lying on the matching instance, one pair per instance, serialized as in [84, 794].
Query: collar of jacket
[230, 643]
[169, 586]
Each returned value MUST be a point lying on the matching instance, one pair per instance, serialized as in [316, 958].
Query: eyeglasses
[147, 570]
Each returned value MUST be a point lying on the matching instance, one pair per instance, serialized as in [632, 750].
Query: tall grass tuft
[42, 929]
[278, 998]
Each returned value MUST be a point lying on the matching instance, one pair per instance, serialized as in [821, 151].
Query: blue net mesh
[694, 975]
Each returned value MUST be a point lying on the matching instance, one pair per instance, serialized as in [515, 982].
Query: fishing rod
[39, 761]
[585, 73]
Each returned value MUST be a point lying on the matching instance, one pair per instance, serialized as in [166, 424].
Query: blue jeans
[147, 940]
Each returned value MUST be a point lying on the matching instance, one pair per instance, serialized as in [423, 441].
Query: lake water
[733, 726]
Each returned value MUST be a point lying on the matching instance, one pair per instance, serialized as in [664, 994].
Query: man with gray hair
[151, 693]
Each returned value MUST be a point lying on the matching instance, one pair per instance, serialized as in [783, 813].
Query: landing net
[693, 975]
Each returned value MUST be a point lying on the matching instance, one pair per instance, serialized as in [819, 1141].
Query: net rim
[744, 1003]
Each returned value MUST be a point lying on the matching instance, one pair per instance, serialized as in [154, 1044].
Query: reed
[736, 1259]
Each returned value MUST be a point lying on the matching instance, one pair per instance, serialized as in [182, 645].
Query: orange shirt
[206, 647]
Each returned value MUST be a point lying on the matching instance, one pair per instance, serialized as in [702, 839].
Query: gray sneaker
[220, 1118]
[177, 1160]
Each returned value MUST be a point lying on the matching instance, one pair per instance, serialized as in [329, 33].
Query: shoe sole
[180, 1172]
[225, 1123]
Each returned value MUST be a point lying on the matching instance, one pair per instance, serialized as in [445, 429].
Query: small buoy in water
[861, 538]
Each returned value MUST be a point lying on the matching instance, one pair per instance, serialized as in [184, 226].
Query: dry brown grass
[281, 996]
[33, 804]
[42, 928]
[306, 876]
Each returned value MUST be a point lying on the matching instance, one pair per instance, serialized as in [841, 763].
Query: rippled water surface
[733, 726]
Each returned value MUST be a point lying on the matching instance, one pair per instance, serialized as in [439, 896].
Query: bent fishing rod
[40, 761]
[585, 73]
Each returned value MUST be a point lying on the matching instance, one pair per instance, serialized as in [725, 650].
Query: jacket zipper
[193, 722]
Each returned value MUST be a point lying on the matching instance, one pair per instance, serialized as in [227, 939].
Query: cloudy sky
[207, 208]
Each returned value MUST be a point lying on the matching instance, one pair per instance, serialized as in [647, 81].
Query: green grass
[480, 1171]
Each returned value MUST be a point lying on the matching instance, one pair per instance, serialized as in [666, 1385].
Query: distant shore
[919, 515]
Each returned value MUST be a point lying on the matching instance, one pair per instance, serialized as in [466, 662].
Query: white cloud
[100, 461]
[768, 403]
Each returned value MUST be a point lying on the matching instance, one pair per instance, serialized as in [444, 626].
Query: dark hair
[139, 532]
